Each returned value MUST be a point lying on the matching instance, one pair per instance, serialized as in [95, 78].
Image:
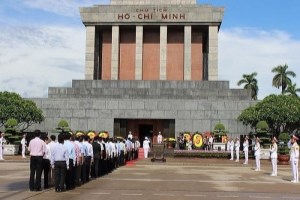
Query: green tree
[250, 82]
[281, 112]
[25, 111]
[282, 77]
[292, 90]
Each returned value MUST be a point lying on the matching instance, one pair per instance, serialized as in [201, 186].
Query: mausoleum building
[150, 65]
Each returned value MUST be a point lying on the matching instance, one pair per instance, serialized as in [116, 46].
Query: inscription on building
[151, 14]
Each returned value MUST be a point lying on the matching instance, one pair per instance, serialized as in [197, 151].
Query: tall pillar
[139, 53]
[115, 53]
[213, 53]
[163, 52]
[90, 53]
[187, 52]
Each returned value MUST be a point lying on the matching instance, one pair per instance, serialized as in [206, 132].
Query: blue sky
[42, 42]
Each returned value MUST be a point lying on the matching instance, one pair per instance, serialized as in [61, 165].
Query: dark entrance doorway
[145, 130]
[144, 127]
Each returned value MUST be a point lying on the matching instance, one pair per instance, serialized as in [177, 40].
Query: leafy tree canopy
[281, 113]
[25, 111]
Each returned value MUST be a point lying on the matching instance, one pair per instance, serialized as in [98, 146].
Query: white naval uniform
[237, 150]
[257, 155]
[2, 141]
[231, 147]
[146, 147]
[23, 143]
[159, 139]
[273, 152]
[294, 159]
[246, 150]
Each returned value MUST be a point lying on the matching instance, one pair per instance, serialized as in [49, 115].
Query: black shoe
[38, 189]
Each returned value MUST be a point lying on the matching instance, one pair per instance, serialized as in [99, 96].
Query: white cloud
[247, 50]
[61, 7]
[35, 58]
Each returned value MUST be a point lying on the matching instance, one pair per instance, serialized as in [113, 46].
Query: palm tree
[250, 83]
[292, 90]
[281, 78]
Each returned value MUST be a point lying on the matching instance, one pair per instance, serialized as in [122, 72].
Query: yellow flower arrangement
[79, 133]
[104, 134]
[91, 135]
[170, 139]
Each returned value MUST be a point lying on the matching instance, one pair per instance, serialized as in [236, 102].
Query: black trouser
[100, 167]
[88, 167]
[36, 165]
[128, 155]
[78, 175]
[121, 158]
[60, 174]
[46, 169]
[105, 168]
[95, 168]
[69, 174]
[73, 179]
[83, 170]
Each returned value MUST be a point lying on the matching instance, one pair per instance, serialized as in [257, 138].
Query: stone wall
[85, 109]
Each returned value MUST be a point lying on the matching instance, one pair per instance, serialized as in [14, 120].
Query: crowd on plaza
[76, 159]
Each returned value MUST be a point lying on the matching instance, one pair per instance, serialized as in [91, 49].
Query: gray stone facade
[190, 105]
[194, 105]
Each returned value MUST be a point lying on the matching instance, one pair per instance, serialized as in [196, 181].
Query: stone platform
[194, 105]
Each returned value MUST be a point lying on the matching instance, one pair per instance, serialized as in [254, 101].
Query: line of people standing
[273, 150]
[73, 161]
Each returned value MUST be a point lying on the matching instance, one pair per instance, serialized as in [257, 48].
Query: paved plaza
[178, 178]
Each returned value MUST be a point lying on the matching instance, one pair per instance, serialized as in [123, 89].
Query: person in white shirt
[46, 163]
[88, 158]
[146, 146]
[246, 149]
[130, 136]
[294, 158]
[273, 152]
[237, 149]
[159, 138]
[257, 154]
[231, 147]
[52, 145]
[2, 142]
[137, 146]
[23, 143]
[210, 143]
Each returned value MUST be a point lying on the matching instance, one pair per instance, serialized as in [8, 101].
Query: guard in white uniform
[257, 154]
[231, 147]
[130, 136]
[273, 152]
[294, 159]
[237, 149]
[146, 146]
[246, 149]
[2, 141]
[23, 143]
[159, 138]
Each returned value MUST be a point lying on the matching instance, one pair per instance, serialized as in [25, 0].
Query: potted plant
[12, 136]
[262, 132]
[219, 137]
[283, 150]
